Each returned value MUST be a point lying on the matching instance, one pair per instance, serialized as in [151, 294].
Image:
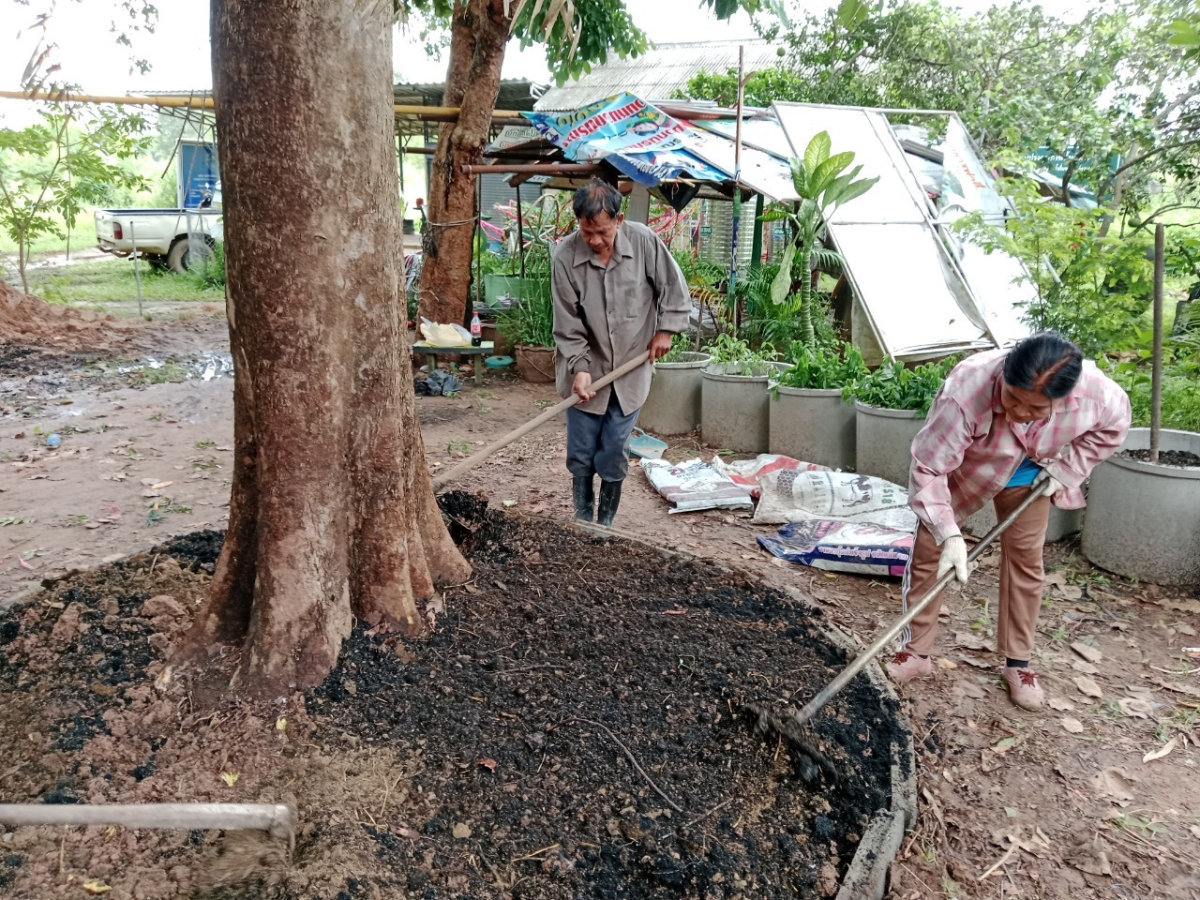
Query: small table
[484, 349]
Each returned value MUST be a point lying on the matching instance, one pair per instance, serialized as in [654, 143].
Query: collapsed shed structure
[918, 290]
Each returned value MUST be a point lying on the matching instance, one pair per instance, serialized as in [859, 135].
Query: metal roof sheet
[659, 73]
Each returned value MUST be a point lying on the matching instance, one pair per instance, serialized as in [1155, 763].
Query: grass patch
[83, 237]
[113, 281]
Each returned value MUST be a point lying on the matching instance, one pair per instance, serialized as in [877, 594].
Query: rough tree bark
[478, 34]
[332, 516]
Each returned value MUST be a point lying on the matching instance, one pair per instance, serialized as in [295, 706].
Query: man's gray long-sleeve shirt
[606, 315]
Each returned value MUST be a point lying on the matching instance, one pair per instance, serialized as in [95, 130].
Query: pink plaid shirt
[968, 450]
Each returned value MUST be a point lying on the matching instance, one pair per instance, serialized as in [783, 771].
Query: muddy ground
[1098, 796]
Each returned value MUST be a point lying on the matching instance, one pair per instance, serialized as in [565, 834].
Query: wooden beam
[428, 113]
[533, 169]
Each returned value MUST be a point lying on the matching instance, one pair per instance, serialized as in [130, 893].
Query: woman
[1003, 422]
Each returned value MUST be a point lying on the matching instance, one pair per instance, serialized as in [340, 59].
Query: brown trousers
[1021, 579]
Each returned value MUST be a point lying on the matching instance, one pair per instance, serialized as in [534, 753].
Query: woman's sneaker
[906, 666]
[1023, 687]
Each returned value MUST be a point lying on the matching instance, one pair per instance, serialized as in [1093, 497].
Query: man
[1003, 422]
[617, 291]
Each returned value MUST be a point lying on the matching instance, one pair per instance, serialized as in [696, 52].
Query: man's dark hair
[596, 197]
[1045, 362]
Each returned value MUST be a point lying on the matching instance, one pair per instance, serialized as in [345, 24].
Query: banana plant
[822, 183]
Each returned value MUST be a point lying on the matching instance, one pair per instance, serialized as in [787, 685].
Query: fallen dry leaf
[95, 887]
[489, 764]
[1162, 751]
[972, 690]
[1180, 688]
[462, 831]
[1087, 686]
[1085, 667]
[1195, 830]
[1190, 606]
[1074, 726]
[1062, 704]
[943, 663]
[230, 778]
[1114, 783]
[1088, 652]
[1091, 857]
[971, 641]
[1137, 707]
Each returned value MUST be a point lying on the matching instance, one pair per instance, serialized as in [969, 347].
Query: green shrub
[819, 368]
[530, 320]
[893, 386]
[209, 274]
[735, 356]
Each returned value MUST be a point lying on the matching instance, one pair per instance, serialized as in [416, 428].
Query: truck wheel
[177, 257]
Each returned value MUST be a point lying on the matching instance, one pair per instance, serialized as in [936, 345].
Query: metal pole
[737, 191]
[137, 272]
[279, 819]
[1160, 240]
[834, 687]
[520, 232]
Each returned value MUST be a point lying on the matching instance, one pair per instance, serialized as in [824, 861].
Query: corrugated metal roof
[658, 73]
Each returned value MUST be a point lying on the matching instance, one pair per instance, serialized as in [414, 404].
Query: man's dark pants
[598, 444]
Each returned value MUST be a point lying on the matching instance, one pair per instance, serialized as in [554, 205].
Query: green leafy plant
[208, 272]
[530, 320]
[894, 386]
[816, 367]
[823, 182]
[52, 170]
[735, 356]
[680, 344]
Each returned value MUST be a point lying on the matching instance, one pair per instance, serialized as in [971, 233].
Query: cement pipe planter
[735, 407]
[814, 425]
[1143, 519]
[884, 441]
[1062, 522]
[673, 406]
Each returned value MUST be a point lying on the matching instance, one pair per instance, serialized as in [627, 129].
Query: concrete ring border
[867, 875]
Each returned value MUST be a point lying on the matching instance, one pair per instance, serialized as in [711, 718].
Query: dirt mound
[575, 727]
[29, 320]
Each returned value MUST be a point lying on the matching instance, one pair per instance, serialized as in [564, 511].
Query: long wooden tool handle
[472, 461]
[834, 687]
[278, 819]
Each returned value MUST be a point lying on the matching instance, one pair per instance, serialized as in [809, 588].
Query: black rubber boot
[585, 499]
[610, 499]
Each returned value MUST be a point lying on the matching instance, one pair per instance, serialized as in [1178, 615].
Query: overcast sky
[179, 54]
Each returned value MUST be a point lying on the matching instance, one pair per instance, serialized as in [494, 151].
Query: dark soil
[1181, 458]
[492, 760]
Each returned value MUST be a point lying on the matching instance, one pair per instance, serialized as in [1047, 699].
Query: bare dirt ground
[1098, 796]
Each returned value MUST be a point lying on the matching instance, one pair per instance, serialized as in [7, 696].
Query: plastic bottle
[476, 330]
[54, 441]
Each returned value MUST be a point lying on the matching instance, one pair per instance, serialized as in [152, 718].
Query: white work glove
[954, 556]
[1055, 484]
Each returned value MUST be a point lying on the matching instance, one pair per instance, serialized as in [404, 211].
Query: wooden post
[1160, 241]
[520, 231]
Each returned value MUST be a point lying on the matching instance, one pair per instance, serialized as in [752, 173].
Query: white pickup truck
[160, 236]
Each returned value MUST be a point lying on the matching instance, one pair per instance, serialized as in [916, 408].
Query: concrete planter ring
[884, 441]
[735, 407]
[673, 406]
[814, 425]
[1143, 519]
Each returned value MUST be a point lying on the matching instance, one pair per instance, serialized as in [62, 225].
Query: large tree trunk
[479, 31]
[332, 516]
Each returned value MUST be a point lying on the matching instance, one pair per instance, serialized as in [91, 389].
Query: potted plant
[673, 405]
[1143, 515]
[890, 406]
[822, 183]
[529, 324]
[810, 420]
[734, 402]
